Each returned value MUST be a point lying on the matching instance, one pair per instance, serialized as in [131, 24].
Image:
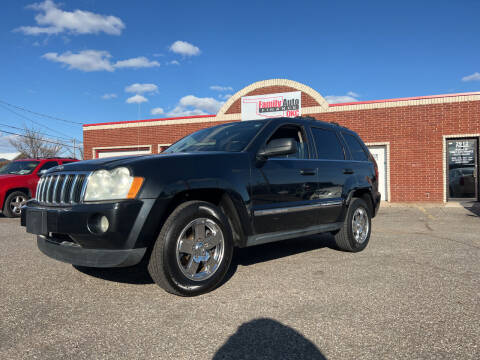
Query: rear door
[332, 168]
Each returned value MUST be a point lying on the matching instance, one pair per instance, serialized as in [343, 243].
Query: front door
[462, 163]
[284, 187]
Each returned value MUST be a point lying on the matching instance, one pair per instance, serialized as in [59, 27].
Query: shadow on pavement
[473, 207]
[138, 274]
[267, 339]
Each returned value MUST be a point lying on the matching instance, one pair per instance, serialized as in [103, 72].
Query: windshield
[232, 137]
[19, 167]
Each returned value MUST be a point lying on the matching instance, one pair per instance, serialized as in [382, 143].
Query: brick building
[427, 147]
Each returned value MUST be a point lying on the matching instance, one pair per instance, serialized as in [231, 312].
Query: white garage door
[104, 154]
[380, 155]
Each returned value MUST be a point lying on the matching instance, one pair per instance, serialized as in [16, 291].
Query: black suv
[237, 184]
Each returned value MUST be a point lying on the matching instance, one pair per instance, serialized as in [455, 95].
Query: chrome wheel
[360, 225]
[17, 203]
[200, 249]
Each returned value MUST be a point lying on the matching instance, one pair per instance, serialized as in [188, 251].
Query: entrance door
[380, 155]
[462, 161]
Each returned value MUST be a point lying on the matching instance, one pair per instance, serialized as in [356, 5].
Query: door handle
[307, 172]
[348, 171]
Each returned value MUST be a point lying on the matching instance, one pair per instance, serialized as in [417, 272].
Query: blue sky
[82, 60]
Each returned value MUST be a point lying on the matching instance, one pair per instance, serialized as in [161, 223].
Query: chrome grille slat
[73, 189]
[62, 188]
[55, 188]
[62, 191]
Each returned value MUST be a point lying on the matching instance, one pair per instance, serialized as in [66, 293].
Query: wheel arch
[364, 194]
[12, 190]
[229, 203]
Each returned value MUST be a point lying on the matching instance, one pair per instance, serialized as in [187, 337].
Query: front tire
[193, 252]
[355, 232]
[14, 203]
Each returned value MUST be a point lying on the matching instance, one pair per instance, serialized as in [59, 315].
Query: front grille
[61, 188]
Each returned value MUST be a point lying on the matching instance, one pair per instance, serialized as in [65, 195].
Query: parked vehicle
[18, 182]
[238, 184]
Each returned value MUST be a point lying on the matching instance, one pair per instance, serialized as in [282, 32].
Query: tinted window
[48, 165]
[295, 133]
[328, 144]
[356, 149]
[19, 167]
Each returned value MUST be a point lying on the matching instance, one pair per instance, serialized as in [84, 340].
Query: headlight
[115, 184]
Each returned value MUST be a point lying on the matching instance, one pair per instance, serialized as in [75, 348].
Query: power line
[35, 122]
[40, 114]
[31, 137]
[17, 128]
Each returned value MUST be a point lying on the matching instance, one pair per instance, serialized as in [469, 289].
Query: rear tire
[355, 232]
[193, 251]
[13, 204]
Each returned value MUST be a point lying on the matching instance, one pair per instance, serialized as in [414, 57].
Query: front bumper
[74, 254]
[67, 234]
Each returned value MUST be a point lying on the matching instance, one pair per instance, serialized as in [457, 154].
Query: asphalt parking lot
[413, 293]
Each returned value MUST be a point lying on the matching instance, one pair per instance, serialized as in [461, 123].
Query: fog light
[98, 224]
[103, 225]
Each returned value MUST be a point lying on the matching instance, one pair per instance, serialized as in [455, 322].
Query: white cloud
[5, 145]
[191, 105]
[474, 77]
[109, 96]
[157, 111]
[181, 111]
[141, 88]
[349, 97]
[97, 60]
[173, 62]
[86, 60]
[184, 48]
[225, 96]
[221, 88]
[53, 20]
[136, 99]
[138, 62]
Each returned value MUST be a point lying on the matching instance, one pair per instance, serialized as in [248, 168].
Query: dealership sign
[272, 105]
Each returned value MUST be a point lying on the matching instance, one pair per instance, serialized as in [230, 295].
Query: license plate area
[36, 222]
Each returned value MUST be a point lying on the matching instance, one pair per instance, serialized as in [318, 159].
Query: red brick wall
[414, 133]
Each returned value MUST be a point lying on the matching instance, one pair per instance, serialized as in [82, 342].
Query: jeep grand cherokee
[237, 184]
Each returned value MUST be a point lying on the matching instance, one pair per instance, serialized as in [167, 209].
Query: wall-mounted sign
[461, 152]
[272, 105]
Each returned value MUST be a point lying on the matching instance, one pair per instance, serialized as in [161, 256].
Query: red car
[18, 182]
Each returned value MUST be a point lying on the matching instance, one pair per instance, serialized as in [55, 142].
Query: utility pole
[74, 149]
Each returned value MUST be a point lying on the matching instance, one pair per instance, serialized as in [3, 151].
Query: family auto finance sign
[272, 105]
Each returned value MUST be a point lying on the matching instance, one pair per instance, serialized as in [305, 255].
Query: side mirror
[278, 147]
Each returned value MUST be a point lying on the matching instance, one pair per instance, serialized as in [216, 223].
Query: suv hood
[113, 162]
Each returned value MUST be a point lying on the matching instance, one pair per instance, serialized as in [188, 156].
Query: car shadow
[473, 207]
[138, 274]
[276, 250]
[267, 339]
